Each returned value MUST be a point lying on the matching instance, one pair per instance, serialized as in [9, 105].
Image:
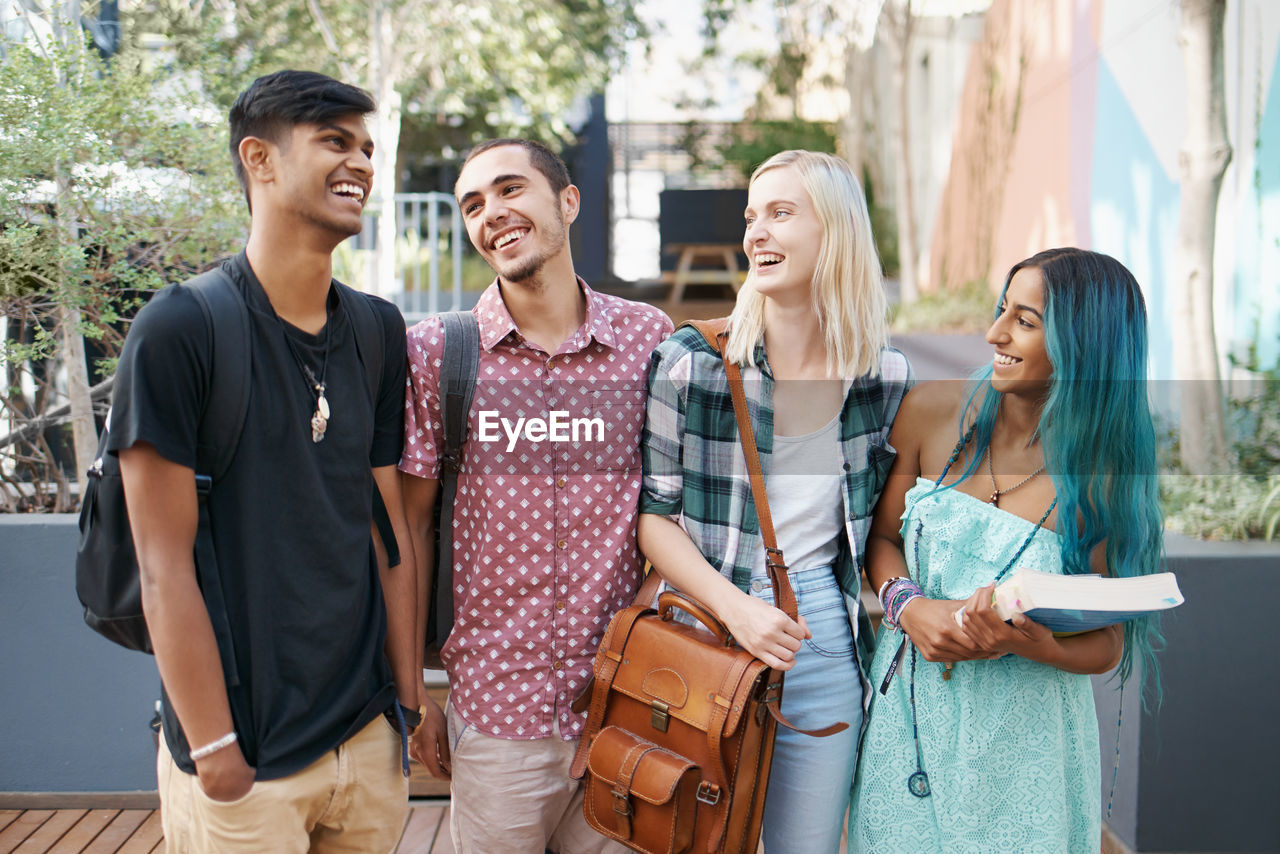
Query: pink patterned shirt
[544, 526]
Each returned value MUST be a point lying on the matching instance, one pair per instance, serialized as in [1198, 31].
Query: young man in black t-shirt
[290, 750]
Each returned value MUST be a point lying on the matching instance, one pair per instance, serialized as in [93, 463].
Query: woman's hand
[764, 631]
[1023, 636]
[931, 625]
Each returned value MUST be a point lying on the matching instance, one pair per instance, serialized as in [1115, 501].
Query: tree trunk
[83, 429]
[1205, 153]
[907, 238]
[853, 125]
[383, 77]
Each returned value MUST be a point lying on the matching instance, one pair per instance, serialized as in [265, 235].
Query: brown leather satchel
[679, 737]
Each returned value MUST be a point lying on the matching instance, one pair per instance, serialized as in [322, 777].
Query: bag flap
[685, 667]
[657, 771]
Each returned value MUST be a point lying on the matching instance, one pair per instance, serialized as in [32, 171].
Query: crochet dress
[1010, 746]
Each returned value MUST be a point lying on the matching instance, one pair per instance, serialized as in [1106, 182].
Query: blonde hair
[848, 289]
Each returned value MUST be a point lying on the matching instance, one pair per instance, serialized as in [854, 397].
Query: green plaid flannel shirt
[695, 471]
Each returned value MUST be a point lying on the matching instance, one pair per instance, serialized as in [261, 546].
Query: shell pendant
[320, 420]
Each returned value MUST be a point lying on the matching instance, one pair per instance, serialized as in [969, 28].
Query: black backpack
[458, 368]
[107, 579]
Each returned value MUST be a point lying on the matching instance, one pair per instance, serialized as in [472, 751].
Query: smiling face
[1021, 361]
[515, 220]
[324, 174]
[783, 234]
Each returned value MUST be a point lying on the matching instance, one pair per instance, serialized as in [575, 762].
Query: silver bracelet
[213, 746]
[888, 581]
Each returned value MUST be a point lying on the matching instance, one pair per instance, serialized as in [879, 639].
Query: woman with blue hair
[986, 738]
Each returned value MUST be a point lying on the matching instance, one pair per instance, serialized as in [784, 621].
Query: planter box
[74, 707]
[1202, 772]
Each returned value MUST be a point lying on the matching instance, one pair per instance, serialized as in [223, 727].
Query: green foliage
[114, 181]
[1245, 503]
[108, 183]
[966, 309]
[757, 140]
[464, 71]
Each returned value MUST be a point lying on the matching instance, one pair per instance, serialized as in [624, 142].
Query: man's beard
[527, 273]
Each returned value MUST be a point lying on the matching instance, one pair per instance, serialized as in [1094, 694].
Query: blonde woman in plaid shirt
[810, 331]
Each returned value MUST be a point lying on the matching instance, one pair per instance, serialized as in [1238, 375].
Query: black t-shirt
[290, 520]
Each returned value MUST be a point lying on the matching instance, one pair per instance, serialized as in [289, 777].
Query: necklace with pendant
[320, 418]
[996, 492]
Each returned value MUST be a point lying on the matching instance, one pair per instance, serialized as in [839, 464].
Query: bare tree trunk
[383, 76]
[1205, 153]
[83, 430]
[908, 241]
[853, 125]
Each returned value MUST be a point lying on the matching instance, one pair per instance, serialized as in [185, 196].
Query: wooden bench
[724, 254]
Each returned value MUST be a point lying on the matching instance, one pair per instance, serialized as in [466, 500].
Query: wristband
[887, 582]
[213, 746]
[896, 596]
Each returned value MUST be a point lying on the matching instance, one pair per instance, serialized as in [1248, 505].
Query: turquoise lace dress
[1010, 746]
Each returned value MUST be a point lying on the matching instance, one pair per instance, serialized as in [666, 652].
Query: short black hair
[275, 103]
[543, 159]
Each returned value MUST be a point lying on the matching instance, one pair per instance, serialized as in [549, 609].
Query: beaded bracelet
[213, 747]
[887, 582]
[896, 597]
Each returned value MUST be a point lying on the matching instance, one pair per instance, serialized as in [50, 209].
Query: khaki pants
[516, 797]
[352, 799]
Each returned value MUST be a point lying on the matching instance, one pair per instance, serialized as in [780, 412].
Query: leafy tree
[494, 66]
[112, 183]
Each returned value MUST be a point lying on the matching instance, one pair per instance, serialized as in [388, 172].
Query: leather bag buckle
[659, 715]
[708, 793]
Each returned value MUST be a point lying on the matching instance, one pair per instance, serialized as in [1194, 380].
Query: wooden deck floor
[108, 831]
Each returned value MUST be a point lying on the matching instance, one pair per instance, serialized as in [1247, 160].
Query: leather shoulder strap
[716, 332]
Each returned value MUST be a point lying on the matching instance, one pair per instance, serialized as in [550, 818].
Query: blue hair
[1095, 426]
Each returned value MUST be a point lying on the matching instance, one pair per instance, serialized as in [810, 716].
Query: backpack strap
[367, 326]
[371, 348]
[227, 323]
[221, 424]
[459, 366]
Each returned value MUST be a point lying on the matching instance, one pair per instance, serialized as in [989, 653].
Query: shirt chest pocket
[867, 482]
[617, 421]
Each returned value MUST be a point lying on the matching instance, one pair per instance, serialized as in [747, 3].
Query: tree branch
[326, 33]
[58, 415]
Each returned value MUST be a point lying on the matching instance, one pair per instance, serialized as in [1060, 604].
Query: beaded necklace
[918, 781]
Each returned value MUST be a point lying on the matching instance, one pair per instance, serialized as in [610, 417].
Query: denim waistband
[802, 582]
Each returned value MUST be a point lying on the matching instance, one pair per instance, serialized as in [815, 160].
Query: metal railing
[415, 300]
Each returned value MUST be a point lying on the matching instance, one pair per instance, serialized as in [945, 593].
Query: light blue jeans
[811, 777]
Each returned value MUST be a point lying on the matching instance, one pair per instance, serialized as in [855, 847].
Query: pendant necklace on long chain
[996, 492]
[320, 418]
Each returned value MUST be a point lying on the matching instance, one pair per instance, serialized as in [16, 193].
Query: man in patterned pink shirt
[545, 515]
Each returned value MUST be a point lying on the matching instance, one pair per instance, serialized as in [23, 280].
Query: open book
[1080, 603]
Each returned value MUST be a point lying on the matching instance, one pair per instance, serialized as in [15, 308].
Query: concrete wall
[1200, 772]
[74, 707]
[1072, 120]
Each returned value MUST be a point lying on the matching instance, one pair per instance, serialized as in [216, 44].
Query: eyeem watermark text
[558, 428]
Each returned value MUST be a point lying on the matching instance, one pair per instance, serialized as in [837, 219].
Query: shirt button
[561, 544]
[561, 482]
[558, 666]
[847, 466]
[559, 606]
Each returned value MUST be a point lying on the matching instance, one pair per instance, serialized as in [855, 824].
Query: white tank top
[805, 498]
